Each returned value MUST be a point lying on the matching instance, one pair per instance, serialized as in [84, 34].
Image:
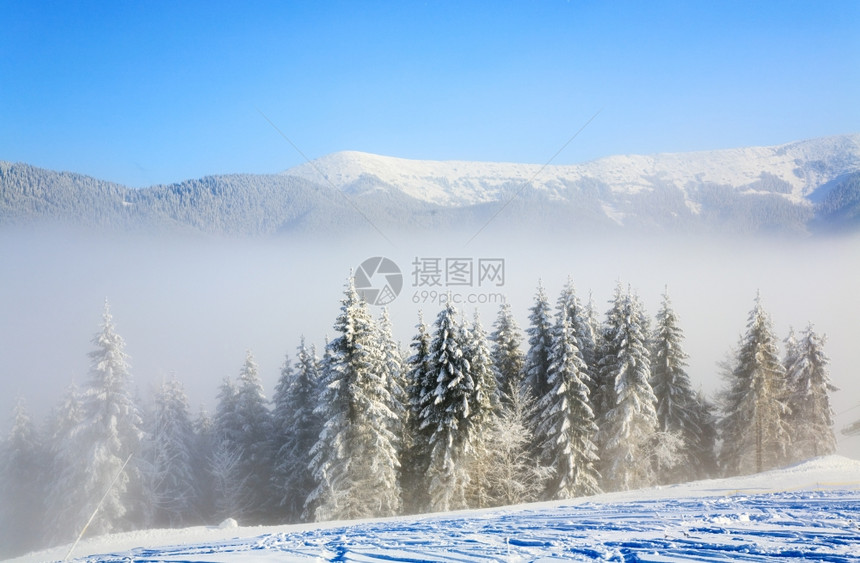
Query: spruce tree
[393, 370]
[64, 493]
[295, 399]
[703, 453]
[581, 324]
[225, 471]
[171, 486]
[355, 460]
[203, 452]
[677, 408]
[108, 435]
[792, 351]
[755, 431]
[21, 486]
[226, 423]
[281, 431]
[811, 417]
[446, 411]
[591, 316]
[627, 429]
[540, 342]
[606, 359]
[280, 404]
[415, 447]
[484, 409]
[536, 370]
[254, 441]
[566, 425]
[507, 355]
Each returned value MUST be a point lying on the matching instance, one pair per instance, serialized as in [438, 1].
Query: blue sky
[157, 92]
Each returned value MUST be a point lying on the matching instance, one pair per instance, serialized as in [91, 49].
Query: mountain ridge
[460, 183]
[801, 188]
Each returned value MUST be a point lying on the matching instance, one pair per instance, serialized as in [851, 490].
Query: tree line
[276, 204]
[572, 407]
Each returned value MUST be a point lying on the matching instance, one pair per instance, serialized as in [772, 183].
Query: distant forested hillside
[839, 209]
[228, 205]
[281, 205]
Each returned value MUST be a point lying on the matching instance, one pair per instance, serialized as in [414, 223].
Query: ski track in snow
[820, 526]
[808, 511]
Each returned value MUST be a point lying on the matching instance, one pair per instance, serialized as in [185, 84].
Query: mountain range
[805, 187]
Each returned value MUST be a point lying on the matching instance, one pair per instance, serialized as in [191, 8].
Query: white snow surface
[807, 511]
[803, 165]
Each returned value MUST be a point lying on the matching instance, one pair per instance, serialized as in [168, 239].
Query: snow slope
[794, 170]
[808, 511]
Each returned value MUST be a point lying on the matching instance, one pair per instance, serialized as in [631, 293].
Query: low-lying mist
[193, 305]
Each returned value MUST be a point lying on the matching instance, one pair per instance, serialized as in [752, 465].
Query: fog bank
[193, 305]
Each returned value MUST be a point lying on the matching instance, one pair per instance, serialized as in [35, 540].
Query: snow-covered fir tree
[281, 432]
[677, 408]
[254, 441]
[507, 354]
[703, 453]
[321, 489]
[811, 417]
[170, 482]
[355, 460]
[108, 435]
[540, 341]
[606, 356]
[565, 423]
[592, 317]
[485, 401]
[22, 466]
[483, 410]
[296, 397]
[226, 477]
[755, 431]
[280, 404]
[580, 321]
[446, 414]
[226, 424]
[392, 365]
[627, 428]
[64, 487]
[792, 350]
[536, 370]
[203, 452]
[415, 444]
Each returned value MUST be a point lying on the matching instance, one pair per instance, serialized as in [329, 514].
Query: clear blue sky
[156, 92]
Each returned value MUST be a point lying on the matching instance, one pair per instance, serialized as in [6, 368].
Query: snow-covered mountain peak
[793, 170]
[448, 183]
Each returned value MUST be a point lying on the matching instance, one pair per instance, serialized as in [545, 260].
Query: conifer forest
[578, 401]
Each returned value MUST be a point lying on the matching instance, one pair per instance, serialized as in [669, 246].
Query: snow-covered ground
[808, 511]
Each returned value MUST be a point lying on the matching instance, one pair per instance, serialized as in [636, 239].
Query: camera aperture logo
[436, 280]
[378, 280]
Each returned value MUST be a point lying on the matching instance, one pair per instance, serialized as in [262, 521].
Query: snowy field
[808, 511]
